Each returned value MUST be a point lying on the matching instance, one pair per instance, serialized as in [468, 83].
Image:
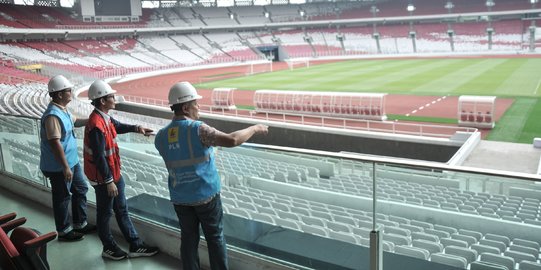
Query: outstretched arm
[238, 137]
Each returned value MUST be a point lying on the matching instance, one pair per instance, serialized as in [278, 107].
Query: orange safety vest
[111, 149]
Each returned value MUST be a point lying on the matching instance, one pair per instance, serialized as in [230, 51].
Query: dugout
[222, 99]
[476, 111]
[370, 106]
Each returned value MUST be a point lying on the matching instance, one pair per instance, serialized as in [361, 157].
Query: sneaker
[72, 236]
[143, 250]
[89, 228]
[114, 253]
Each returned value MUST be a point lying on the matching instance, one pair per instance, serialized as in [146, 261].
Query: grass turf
[503, 77]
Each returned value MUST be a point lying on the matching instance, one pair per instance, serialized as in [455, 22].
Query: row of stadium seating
[94, 56]
[426, 191]
[49, 17]
[404, 236]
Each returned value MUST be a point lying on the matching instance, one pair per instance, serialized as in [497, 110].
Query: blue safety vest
[48, 162]
[193, 177]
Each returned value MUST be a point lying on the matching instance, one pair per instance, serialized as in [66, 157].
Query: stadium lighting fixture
[232, 16]
[267, 14]
[490, 3]
[411, 8]
[449, 6]
[533, 1]
[301, 12]
[374, 10]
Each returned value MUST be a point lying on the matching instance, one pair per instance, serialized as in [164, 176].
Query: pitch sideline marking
[538, 83]
[432, 102]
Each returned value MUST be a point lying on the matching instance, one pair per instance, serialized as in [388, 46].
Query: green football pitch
[518, 78]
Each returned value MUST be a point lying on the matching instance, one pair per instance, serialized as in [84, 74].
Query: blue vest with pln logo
[193, 176]
[47, 161]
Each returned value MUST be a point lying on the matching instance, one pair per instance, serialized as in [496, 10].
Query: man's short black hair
[178, 107]
[96, 102]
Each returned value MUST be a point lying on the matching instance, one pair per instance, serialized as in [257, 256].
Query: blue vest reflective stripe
[68, 141]
[192, 172]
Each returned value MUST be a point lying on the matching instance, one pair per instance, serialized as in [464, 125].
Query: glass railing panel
[301, 206]
[20, 152]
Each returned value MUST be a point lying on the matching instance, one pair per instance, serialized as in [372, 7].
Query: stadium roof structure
[184, 3]
[36, 33]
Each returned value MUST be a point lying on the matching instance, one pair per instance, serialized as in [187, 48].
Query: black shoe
[89, 228]
[143, 250]
[72, 236]
[114, 253]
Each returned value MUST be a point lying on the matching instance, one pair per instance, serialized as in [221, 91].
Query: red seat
[471, 117]
[25, 248]
[463, 116]
[479, 117]
[32, 245]
[488, 117]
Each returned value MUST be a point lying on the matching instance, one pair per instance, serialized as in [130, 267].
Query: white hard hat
[58, 83]
[99, 89]
[182, 92]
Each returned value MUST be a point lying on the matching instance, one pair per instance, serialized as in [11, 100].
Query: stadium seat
[520, 256]
[453, 242]
[526, 265]
[412, 252]
[432, 247]
[448, 259]
[486, 266]
[485, 249]
[508, 262]
[32, 245]
[469, 254]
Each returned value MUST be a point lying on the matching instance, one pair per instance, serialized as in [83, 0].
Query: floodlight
[533, 1]
[449, 5]
[267, 14]
[301, 12]
[490, 3]
[232, 16]
[374, 10]
[411, 7]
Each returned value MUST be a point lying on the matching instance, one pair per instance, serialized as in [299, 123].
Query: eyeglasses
[110, 96]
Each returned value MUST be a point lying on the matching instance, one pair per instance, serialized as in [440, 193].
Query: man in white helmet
[59, 162]
[186, 146]
[102, 167]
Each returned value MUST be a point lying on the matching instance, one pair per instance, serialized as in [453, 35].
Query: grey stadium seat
[425, 236]
[526, 243]
[412, 252]
[453, 242]
[448, 259]
[397, 239]
[529, 250]
[520, 256]
[450, 230]
[469, 254]
[438, 233]
[499, 259]
[493, 243]
[485, 249]
[526, 265]
[466, 238]
[501, 238]
[486, 266]
[475, 234]
[432, 247]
